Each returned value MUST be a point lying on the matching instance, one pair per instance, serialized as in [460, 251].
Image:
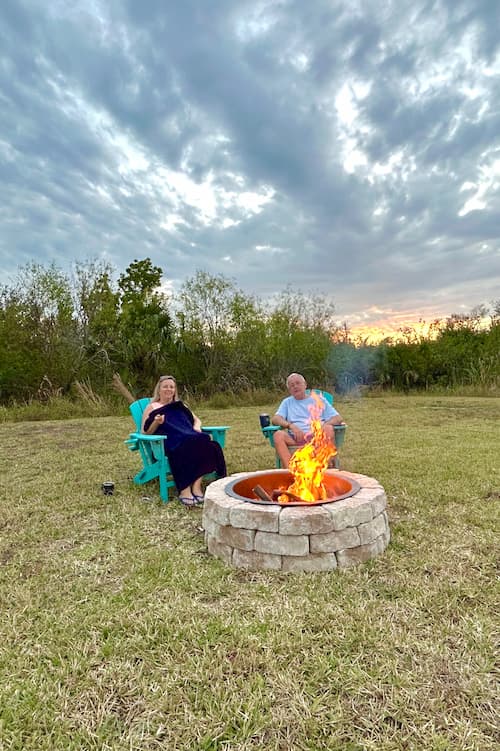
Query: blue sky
[351, 148]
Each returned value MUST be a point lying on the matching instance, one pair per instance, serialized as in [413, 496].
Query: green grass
[118, 631]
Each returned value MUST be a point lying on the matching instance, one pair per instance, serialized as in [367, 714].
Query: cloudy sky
[344, 146]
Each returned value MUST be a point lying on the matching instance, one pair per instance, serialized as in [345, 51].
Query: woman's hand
[157, 420]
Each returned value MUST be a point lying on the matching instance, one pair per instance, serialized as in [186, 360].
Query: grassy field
[118, 631]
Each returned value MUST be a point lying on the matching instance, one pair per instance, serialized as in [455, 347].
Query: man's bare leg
[282, 440]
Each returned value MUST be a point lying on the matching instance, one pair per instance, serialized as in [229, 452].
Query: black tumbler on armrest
[265, 421]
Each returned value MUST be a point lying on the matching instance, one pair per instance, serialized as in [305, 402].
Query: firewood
[294, 498]
[262, 494]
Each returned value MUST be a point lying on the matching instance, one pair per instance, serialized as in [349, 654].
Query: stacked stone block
[296, 538]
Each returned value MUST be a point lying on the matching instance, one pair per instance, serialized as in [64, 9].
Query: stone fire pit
[289, 537]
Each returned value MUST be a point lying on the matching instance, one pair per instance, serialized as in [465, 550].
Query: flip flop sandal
[187, 501]
[200, 499]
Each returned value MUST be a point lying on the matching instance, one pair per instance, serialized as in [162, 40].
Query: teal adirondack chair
[340, 430]
[150, 447]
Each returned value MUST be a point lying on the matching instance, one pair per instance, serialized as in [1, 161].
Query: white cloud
[350, 147]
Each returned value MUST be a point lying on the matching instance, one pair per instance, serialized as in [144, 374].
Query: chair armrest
[146, 437]
[132, 443]
[339, 432]
[141, 441]
[218, 433]
[269, 431]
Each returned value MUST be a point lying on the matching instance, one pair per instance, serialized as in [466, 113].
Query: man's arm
[335, 420]
[280, 417]
[330, 415]
[281, 421]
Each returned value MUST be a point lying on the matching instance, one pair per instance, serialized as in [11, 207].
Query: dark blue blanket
[177, 425]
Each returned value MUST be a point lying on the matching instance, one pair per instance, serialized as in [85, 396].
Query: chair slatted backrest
[325, 394]
[137, 410]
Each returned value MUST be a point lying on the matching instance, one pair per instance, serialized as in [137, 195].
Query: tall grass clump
[81, 402]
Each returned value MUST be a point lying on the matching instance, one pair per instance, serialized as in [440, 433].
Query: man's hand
[296, 432]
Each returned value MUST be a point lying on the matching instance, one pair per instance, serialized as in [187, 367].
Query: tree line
[58, 329]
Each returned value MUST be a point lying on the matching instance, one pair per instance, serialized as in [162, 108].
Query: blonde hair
[156, 391]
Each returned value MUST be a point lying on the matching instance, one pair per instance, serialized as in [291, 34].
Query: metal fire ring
[256, 477]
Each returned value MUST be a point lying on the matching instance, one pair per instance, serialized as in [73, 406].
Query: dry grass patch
[120, 632]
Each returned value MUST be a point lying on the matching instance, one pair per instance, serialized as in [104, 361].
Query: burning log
[262, 494]
[285, 495]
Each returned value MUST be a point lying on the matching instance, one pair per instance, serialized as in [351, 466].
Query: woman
[191, 453]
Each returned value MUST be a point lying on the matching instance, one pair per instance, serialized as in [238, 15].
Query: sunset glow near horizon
[396, 325]
[383, 329]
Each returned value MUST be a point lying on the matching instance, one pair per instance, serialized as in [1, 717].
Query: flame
[309, 463]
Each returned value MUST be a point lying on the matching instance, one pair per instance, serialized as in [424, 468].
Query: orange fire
[309, 463]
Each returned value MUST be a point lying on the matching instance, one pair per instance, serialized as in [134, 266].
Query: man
[295, 417]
